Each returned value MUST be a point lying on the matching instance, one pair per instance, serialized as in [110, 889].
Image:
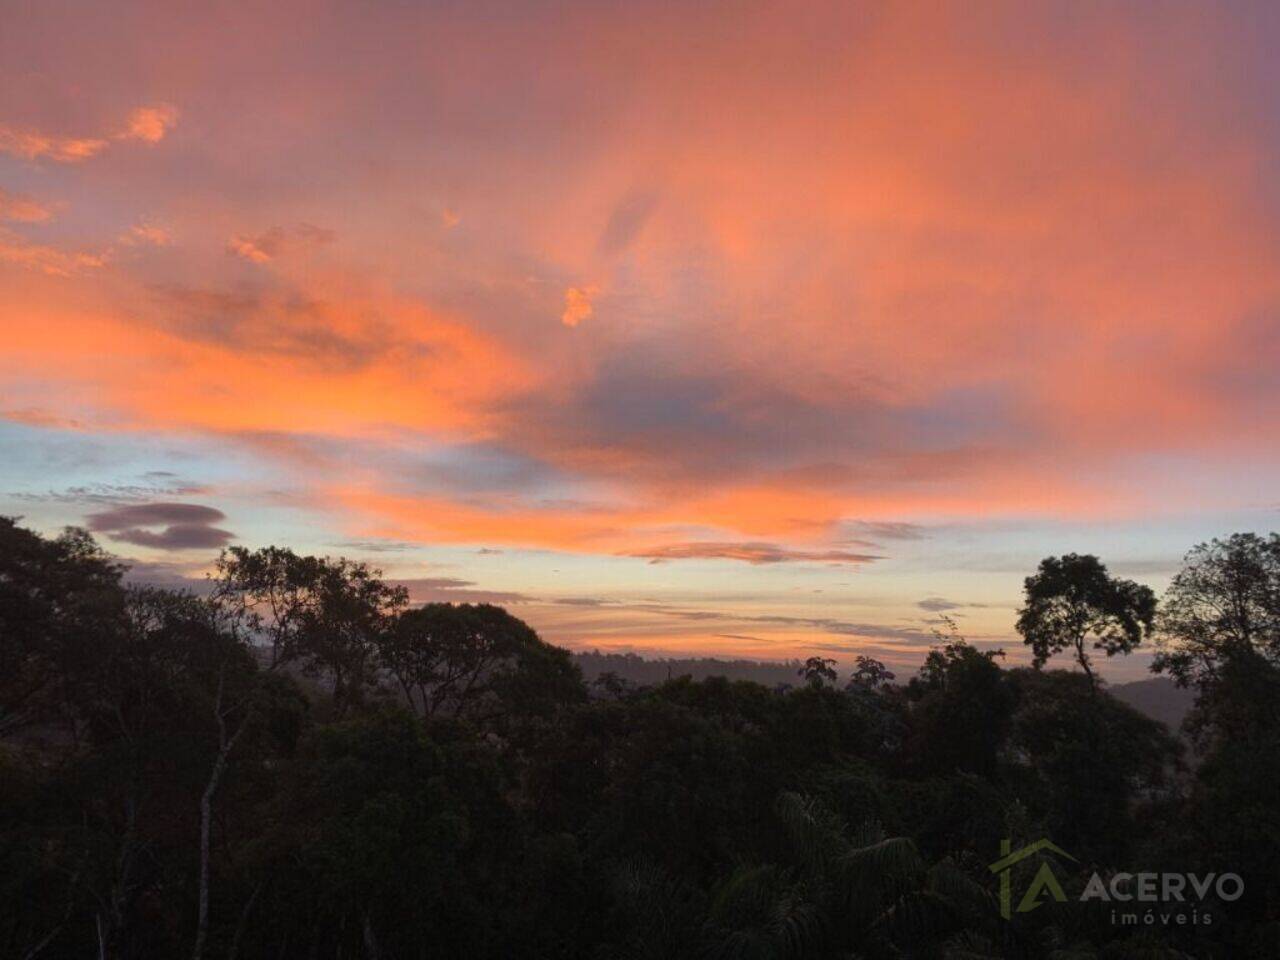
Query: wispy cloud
[146, 234]
[144, 124]
[19, 208]
[278, 241]
[456, 590]
[47, 259]
[753, 553]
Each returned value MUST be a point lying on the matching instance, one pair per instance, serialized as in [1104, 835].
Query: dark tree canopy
[299, 764]
[963, 708]
[467, 659]
[818, 671]
[1223, 605]
[871, 673]
[329, 616]
[52, 592]
[1073, 603]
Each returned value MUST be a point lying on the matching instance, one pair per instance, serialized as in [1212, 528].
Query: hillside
[1159, 698]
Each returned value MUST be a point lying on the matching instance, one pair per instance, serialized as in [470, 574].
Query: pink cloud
[577, 305]
[31, 145]
[150, 124]
[881, 267]
[22, 209]
[145, 124]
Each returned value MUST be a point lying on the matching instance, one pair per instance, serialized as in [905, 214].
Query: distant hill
[642, 671]
[1159, 698]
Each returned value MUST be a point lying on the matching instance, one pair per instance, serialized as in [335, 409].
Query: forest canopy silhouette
[297, 762]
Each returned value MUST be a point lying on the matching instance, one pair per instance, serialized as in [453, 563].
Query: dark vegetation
[300, 765]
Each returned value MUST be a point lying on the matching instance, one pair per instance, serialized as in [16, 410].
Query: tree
[871, 673]
[475, 660]
[54, 595]
[818, 671]
[1223, 605]
[962, 714]
[1071, 600]
[611, 685]
[329, 615]
[1219, 631]
[1085, 757]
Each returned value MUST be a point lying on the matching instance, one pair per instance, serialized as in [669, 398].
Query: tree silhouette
[469, 659]
[871, 673]
[172, 783]
[1223, 605]
[818, 672]
[1071, 600]
[328, 615]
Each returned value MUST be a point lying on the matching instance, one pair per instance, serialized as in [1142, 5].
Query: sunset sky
[755, 330]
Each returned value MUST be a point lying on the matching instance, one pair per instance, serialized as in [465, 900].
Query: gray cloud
[153, 514]
[112, 494]
[276, 321]
[455, 590]
[374, 546]
[177, 536]
[183, 526]
[752, 553]
[626, 222]
[888, 530]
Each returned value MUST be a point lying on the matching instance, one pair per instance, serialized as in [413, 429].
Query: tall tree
[55, 594]
[871, 673]
[963, 708]
[1073, 603]
[818, 671]
[475, 660]
[1223, 605]
[328, 615]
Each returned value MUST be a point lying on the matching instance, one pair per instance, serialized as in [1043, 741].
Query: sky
[732, 329]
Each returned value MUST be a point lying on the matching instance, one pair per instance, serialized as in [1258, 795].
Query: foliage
[299, 764]
[1072, 599]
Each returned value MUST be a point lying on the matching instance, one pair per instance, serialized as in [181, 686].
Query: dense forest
[297, 763]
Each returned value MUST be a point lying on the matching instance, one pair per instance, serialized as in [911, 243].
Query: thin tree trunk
[243, 922]
[370, 939]
[1084, 663]
[113, 909]
[225, 746]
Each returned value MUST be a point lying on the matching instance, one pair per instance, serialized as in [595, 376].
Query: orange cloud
[754, 553]
[146, 124]
[22, 209]
[887, 266]
[146, 234]
[278, 241]
[44, 258]
[192, 360]
[150, 124]
[577, 305]
[30, 145]
[248, 249]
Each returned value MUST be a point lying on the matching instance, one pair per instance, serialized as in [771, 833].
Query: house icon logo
[1043, 880]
